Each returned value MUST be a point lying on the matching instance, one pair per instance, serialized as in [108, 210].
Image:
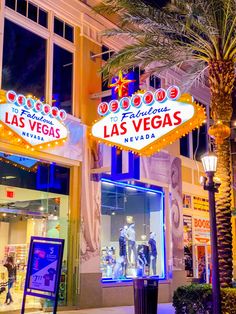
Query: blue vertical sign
[116, 153]
[43, 269]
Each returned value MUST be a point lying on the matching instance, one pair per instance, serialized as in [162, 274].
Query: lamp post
[209, 161]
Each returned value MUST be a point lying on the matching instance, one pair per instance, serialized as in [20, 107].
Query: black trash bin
[145, 295]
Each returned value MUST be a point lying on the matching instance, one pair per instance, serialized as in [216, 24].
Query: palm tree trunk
[221, 78]
[223, 214]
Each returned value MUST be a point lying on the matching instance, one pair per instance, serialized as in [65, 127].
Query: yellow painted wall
[89, 80]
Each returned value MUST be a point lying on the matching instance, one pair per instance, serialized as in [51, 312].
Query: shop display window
[34, 201]
[132, 232]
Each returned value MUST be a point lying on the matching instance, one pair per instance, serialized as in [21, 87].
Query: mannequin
[130, 235]
[153, 252]
[122, 253]
[141, 262]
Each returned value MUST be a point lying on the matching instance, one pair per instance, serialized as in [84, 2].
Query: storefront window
[33, 202]
[24, 61]
[132, 232]
[62, 78]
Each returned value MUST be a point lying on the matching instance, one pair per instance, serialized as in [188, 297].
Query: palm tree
[200, 36]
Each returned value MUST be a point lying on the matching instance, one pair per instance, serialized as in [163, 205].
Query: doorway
[202, 262]
[34, 201]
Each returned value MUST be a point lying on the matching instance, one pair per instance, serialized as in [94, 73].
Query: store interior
[132, 232]
[33, 202]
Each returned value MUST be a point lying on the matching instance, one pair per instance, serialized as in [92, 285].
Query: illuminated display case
[132, 233]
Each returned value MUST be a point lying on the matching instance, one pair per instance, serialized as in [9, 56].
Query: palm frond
[199, 30]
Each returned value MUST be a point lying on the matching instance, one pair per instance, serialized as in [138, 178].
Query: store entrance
[202, 262]
[33, 202]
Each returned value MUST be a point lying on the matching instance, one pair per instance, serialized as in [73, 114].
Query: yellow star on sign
[121, 84]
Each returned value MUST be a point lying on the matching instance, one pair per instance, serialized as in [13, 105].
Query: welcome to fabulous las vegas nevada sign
[146, 122]
[30, 122]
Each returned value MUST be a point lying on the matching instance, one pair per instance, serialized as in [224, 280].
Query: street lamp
[209, 161]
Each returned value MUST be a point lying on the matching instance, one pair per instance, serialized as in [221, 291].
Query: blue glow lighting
[43, 182]
[110, 280]
[137, 187]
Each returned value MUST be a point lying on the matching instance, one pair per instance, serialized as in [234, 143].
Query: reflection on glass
[62, 78]
[24, 59]
[132, 232]
[200, 141]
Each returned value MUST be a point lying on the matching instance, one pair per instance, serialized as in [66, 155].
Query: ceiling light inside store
[41, 208]
[4, 214]
[8, 177]
[152, 193]
[129, 219]
[131, 189]
[52, 217]
[113, 213]
[107, 183]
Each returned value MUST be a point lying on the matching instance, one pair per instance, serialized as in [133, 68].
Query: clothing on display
[122, 243]
[142, 261]
[130, 235]
[153, 253]
[123, 253]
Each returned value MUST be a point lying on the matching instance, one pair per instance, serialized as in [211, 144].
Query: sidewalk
[164, 308]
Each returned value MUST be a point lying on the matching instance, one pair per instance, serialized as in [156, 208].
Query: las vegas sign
[146, 122]
[30, 122]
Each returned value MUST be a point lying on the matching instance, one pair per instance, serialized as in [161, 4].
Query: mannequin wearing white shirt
[130, 235]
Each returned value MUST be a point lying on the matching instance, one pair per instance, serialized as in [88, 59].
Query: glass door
[202, 262]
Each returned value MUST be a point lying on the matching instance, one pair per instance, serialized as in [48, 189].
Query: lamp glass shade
[209, 162]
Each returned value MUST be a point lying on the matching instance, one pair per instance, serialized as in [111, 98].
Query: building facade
[52, 51]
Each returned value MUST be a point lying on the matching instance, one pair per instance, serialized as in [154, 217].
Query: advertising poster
[187, 230]
[187, 202]
[201, 230]
[44, 266]
[200, 204]
[43, 270]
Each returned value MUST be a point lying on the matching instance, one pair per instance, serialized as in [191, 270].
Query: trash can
[145, 295]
